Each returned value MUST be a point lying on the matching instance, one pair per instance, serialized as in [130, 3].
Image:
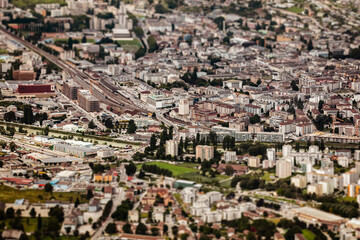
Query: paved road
[117, 199]
[99, 124]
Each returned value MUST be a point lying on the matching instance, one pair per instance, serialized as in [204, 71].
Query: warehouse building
[75, 151]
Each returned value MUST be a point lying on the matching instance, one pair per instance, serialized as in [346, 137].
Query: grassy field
[197, 177]
[225, 184]
[347, 199]
[30, 224]
[178, 198]
[130, 45]
[65, 40]
[9, 195]
[308, 234]
[31, 3]
[267, 176]
[176, 170]
[296, 10]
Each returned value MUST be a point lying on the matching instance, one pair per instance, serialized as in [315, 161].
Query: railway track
[104, 91]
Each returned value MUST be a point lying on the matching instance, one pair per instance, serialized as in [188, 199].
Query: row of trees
[152, 168]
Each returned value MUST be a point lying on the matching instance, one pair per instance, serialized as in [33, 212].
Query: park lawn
[31, 3]
[189, 165]
[198, 178]
[176, 170]
[130, 45]
[347, 199]
[275, 220]
[30, 224]
[295, 9]
[308, 234]
[267, 176]
[9, 195]
[138, 167]
[225, 184]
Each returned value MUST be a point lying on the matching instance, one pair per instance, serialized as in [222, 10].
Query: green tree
[10, 212]
[9, 116]
[219, 22]
[48, 188]
[153, 142]
[131, 127]
[255, 119]
[250, 236]
[141, 229]
[111, 228]
[139, 32]
[46, 131]
[159, 8]
[89, 194]
[154, 231]
[294, 86]
[84, 40]
[77, 202]
[127, 228]
[12, 146]
[109, 124]
[186, 143]
[153, 46]
[39, 223]
[322, 145]
[57, 212]
[130, 169]
[181, 147]
[92, 125]
[310, 45]
[229, 170]
[28, 115]
[33, 213]
[70, 43]
[140, 53]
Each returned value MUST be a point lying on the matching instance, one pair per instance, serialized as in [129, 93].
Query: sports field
[130, 45]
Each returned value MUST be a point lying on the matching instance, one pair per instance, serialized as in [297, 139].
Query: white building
[271, 154]
[230, 156]
[286, 150]
[188, 194]
[184, 107]
[159, 101]
[4, 3]
[327, 186]
[283, 169]
[254, 161]
[349, 178]
[105, 152]
[171, 148]
[315, 188]
[299, 181]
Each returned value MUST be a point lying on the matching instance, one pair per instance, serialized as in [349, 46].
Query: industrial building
[88, 102]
